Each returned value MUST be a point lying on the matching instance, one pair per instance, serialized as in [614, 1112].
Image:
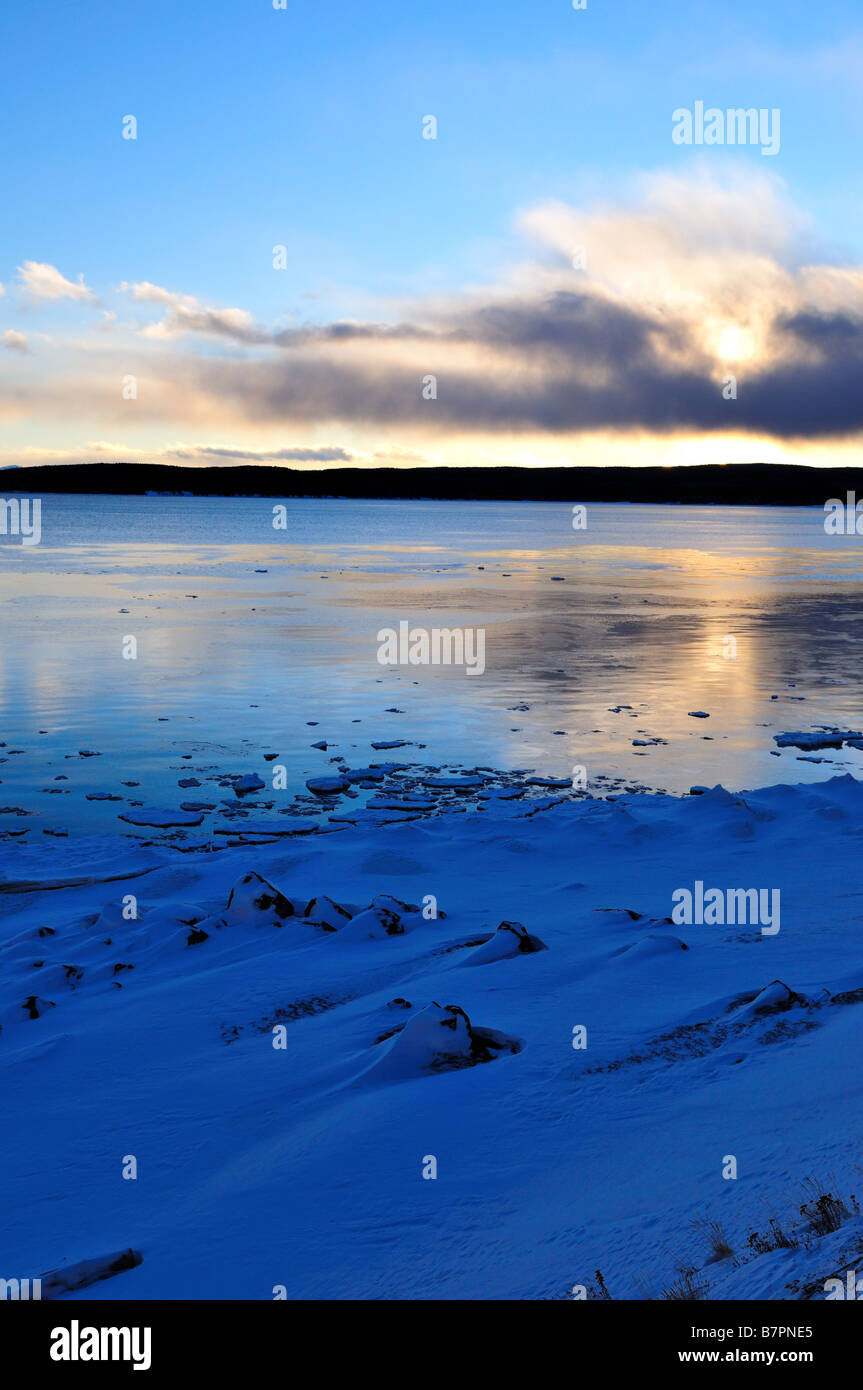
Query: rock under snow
[253, 901]
[439, 1039]
[325, 912]
[510, 939]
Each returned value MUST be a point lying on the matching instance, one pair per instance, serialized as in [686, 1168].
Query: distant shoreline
[737, 484]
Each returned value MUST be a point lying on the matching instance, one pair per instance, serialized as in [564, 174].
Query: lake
[253, 640]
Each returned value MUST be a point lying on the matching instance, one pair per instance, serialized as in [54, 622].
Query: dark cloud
[558, 362]
[579, 327]
[832, 332]
[348, 331]
[554, 387]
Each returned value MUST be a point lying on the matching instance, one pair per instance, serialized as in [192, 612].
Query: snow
[434, 1037]
[285, 825]
[159, 816]
[455, 781]
[428, 979]
[510, 939]
[328, 914]
[327, 785]
[248, 782]
[819, 738]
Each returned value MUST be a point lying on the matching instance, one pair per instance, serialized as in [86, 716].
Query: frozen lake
[252, 640]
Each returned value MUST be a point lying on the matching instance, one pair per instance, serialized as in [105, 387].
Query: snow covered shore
[289, 1031]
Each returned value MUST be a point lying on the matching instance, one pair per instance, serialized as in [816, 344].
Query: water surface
[254, 640]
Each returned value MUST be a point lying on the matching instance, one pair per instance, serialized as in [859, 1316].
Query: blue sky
[302, 127]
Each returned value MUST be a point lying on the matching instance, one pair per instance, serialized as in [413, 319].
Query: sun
[734, 344]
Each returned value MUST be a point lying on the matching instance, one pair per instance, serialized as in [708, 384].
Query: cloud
[17, 342]
[101, 450]
[145, 292]
[112, 450]
[326, 454]
[685, 283]
[187, 315]
[42, 281]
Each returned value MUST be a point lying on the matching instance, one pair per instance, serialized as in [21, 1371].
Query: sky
[282, 266]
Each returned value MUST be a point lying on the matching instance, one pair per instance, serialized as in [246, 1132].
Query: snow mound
[510, 939]
[619, 916]
[385, 916]
[655, 944]
[326, 913]
[253, 901]
[114, 918]
[777, 998]
[441, 1038]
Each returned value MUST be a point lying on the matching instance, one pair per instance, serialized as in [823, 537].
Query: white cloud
[187, 315]
[17, 342]
[42, 281]
[145, 292]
